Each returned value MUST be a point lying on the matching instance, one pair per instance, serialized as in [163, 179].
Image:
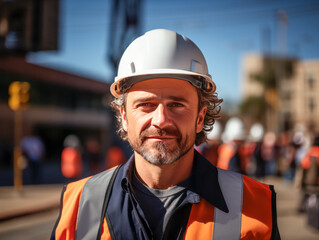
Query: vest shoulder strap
[94, 198]
[228, 225]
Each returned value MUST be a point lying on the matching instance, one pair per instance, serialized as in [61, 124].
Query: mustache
[160, 132]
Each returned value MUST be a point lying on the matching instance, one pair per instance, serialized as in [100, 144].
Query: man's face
[162, 119]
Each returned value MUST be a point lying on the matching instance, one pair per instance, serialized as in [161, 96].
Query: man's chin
[159, 155]
[160, 145]
[160, 159]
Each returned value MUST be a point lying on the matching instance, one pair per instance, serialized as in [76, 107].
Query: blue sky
[223, 30]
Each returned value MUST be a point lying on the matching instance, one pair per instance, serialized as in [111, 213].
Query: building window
[287, 95]
[311, 81]
[312, 105]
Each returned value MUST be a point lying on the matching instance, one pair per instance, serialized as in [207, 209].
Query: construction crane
[125, 26]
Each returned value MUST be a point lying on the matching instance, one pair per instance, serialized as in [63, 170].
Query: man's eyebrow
[178, 99]
[143, 99]
[150, 98]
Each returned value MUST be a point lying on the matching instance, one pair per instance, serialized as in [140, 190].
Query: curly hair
[210, 100]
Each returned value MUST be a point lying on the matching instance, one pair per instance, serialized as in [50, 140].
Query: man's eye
[145, 105]
[176, 105]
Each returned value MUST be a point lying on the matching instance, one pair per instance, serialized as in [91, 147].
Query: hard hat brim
[122, 84]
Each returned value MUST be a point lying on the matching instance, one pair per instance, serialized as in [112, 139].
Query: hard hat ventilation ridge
[133, 67]
[195, 66]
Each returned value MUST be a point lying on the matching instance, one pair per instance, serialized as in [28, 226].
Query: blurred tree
[267, 77]
[274, 70]
[253, 107]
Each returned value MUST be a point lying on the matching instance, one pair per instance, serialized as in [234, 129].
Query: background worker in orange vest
[310, 178]
[255, 162]
[166, 102]
[92, 155]
[230, 155]
[114, 157]
[71, 159]
[210, 149]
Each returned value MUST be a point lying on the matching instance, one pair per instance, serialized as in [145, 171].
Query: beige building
[292, 100]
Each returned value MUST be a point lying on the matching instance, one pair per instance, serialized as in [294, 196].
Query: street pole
[282, 49]
[18, 101]
[17, 153]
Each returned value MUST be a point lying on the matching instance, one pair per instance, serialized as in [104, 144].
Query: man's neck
[165, 176]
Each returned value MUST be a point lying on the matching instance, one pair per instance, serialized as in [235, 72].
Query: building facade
[294, 96]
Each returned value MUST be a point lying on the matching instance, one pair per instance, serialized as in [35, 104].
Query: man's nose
[160, 117]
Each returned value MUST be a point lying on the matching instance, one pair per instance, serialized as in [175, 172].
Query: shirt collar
[204, 180]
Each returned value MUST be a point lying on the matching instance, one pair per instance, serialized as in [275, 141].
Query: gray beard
[160, 153]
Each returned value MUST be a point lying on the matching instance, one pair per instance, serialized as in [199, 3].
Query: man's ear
[200, 119]
[124, 120]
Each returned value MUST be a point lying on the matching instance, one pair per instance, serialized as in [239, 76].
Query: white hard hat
[71, 141]
[298, 138]
[256, 132]
[214, 134]
[162, 53]
[234, 130]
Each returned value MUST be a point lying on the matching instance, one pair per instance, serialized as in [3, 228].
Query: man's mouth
[161, 138]
[160, 135]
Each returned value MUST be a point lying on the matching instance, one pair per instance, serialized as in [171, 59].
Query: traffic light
[19, 95]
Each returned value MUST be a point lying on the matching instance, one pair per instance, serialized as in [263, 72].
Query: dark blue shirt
[126, 216]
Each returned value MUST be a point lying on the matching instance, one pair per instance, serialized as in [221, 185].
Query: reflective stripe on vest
[91, 205]
[228, 225]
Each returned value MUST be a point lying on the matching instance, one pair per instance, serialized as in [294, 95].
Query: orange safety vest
[71, 163]
[306, 161]
[114, 157]
[225, 153]
[310, 164]
[251, 210]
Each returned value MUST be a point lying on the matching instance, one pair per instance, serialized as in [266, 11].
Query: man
[33, 149]
[310, 175]
[165, 102]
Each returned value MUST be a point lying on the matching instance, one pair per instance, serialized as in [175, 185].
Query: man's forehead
[164, 87]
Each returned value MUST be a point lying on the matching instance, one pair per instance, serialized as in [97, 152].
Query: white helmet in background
[300, 127]
[71, 141]
[162, 53]
[298, 138]
[256, 132]
[234, 130]
[215, 133]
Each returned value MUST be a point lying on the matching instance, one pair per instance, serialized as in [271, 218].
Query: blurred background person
[301, 134]
[92, 155]
[114, 156]
[210, 149]
[268, 153]
[294, 155]
[33, 150]
[229, 152]
[310, 178]
[255, 162]
[71, 159]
